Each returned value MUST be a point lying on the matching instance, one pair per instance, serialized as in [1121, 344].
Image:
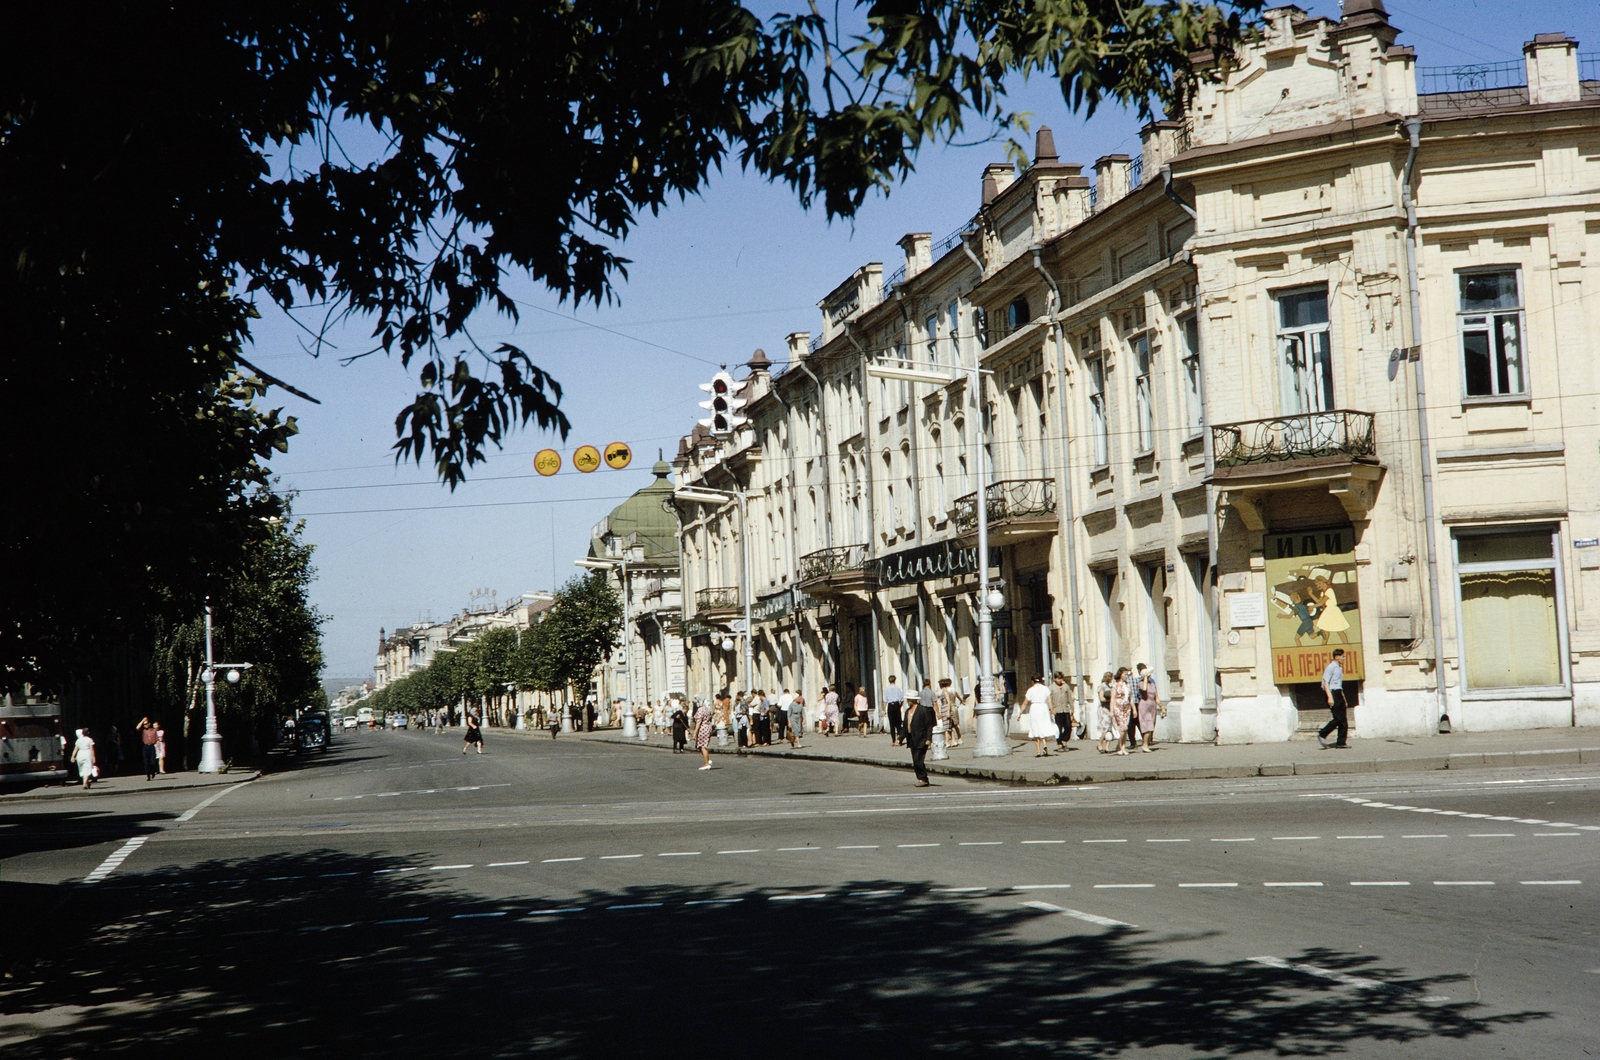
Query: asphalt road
[396, 898]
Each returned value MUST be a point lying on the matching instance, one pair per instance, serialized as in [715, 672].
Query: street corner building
[1316, 370]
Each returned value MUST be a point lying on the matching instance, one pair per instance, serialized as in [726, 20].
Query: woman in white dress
[83, 754]
[1041, 722]
[1330, 620]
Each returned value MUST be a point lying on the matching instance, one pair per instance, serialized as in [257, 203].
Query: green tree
[163, 166]
[263, 616]
[581, 628]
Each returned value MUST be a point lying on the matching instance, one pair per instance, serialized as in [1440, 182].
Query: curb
[72, 791]
[1418, 764]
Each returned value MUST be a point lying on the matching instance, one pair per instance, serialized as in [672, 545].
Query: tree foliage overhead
[164, 165]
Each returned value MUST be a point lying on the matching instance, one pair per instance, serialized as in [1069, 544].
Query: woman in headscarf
[703, 724]
[1122, 708]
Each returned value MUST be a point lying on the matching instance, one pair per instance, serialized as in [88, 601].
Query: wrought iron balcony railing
[723, 598]
[1009, 499]
[1341, 432]
[826, 561]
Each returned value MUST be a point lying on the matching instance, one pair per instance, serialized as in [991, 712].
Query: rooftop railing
[1341, 432]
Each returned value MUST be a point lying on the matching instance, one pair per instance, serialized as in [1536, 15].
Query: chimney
[997, 177]
[1111, 173]
[799, 346]
[1158, 142]
[1044, 147]
[1552, 60]
[919, 251]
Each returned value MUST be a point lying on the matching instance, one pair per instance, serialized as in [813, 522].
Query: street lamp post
[211, 742]
[703, 495]
[992, 738]
[629, 730]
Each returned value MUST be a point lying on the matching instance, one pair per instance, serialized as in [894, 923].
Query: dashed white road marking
[1285, 838]
[552, 861]
[680, 854]
[1380, 883]
[1208, 885]
[985, 843]
[876, 894]
[914, 846]
[638, 905]
[1491, 835]
[619, 857]
[957, 890]
[505, 864]
[796, 897]
[441, 868]
[1078, 914]
[1122, 886]
[1321, 973]
[1431, 835]
[1105, 840]
[110, 864]
[1556, 833]
[791, 850]
[1166, 840]
[1293, 883]
[1042, 887]
[859, 846]
[1551, 883]
[715, 901]
[1236, 839]
[1463, 883]
[755, 850]
[1042, 842]
[1359, 837]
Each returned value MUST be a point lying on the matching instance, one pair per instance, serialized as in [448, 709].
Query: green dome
[644, 514]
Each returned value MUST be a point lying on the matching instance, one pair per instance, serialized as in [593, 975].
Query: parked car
[351, 723]
[399, 721]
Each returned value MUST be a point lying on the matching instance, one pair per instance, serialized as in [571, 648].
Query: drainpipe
[1213, 692]
[870, 545]
[1413, 127]
[827, 479]
[1068, 532]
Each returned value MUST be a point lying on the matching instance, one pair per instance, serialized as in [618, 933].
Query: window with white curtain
[1509, 594]
[1189, 327]
[1096, 372]
[1144, 394]
[932, 326]
[1490, 319]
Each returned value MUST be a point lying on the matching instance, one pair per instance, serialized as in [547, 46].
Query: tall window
[1036, 391]
[1144, 398]
[1019, 419]
[941, 501]
[961, 457]
[1097, 409]
[1305, 356]
[1190, 328]
[910, 521]
[1511, 628]
[1490, 321]
[955, 332]
[933, 338]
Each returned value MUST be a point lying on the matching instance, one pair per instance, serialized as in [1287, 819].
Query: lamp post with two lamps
[629, 729]
[211, 742]
[704, 495]
[992, 738]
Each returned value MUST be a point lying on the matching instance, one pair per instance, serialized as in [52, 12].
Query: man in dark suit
[919, 737]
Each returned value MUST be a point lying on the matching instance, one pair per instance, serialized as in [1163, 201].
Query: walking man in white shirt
[1333, 688]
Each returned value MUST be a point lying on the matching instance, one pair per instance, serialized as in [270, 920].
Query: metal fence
[1008, 499]
[723, 598]
[826, 561]
[1313, 434]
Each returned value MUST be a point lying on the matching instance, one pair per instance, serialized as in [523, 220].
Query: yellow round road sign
[547, 462]
[618, 455]
[586, 458]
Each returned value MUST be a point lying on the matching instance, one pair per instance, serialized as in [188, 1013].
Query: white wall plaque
[1247, 610]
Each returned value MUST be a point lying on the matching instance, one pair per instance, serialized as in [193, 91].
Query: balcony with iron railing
[1335, 450]
[835, 571]
[1018, 509]
[719, 600]
[1479, 86]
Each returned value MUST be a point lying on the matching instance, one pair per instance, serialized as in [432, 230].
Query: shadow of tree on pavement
[343, 955]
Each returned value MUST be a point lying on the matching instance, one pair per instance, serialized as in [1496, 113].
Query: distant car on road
[399, 721]
[364, 716]
[351, 723]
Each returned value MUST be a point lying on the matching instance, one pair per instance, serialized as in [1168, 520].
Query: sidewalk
[132, 785]
[1082, 764]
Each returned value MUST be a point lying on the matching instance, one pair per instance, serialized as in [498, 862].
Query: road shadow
[31, 833]
[322, 954]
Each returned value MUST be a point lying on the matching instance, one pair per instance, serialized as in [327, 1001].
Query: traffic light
[723, 406]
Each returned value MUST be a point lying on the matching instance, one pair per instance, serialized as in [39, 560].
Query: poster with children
[1313, 603]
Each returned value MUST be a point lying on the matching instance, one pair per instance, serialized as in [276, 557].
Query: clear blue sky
[712, 279]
